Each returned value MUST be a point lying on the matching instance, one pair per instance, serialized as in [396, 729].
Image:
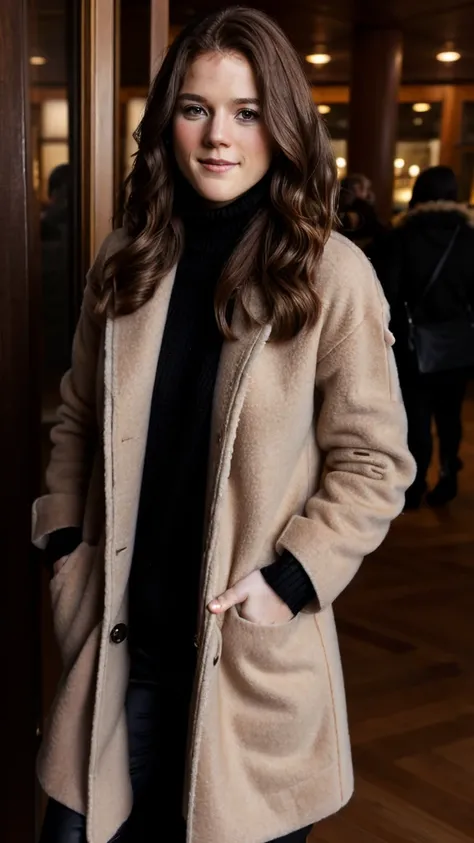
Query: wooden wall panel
[100, 96]
[19, 442]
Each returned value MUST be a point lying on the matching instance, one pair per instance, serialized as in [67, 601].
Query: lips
[217, 165]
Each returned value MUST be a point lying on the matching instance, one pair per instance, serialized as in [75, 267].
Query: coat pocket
[276, 698]
[77, 599]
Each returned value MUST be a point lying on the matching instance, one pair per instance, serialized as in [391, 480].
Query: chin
[219, 194]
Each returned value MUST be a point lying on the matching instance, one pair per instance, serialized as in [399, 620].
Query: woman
[435, 228]
[230, 354]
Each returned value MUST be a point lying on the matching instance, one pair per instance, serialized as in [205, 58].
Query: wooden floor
[407, 636]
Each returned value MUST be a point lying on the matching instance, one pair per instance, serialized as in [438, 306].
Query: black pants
[157, 757]
[438, 396]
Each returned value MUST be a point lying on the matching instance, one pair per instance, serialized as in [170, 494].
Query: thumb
[232, 597]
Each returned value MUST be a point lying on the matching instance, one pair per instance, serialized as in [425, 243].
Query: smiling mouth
[217, 165]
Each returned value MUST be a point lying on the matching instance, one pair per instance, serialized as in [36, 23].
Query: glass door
[72, 64]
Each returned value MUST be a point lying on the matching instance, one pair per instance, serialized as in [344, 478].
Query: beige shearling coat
[308, 453]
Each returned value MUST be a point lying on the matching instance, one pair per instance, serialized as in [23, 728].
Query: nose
[218, 132]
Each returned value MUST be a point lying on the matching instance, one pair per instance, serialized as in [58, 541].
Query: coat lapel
[133, 345]
[232, 383]
[233, 367]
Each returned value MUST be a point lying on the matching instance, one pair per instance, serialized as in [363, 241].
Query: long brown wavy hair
[280, 249]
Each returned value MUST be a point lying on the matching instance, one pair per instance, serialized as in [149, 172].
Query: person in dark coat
[405, 260]
[56, 277]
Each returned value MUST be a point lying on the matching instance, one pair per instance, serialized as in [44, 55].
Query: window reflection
[336, 117]
[52, 182]
[54, 38]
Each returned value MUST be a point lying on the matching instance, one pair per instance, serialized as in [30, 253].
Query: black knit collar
[217, 229]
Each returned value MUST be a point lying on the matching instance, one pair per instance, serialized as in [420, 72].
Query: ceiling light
[324, 109]
[38, 61]
[421, 107]
[414, 171]
[418, 121]
[399, 163]
[448, 56]
[318, 58]
[341, 163]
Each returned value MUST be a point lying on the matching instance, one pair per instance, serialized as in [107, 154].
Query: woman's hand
[258, 602]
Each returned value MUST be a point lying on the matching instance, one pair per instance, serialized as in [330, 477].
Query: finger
[231, 597]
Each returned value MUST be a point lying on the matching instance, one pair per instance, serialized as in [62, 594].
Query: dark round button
[119, 633]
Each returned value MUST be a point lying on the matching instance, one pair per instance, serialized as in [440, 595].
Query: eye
[247, 115]
[193, 111]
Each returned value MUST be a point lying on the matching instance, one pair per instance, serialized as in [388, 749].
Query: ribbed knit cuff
[290, 581]
[62, 543]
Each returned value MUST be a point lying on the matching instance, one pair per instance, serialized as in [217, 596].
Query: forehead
[220, 76]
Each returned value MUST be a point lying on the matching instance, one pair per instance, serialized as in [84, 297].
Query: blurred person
[359, 221]
[426, 266]
[231, 444]
[55, 217]
[360, 186]
[55, 274]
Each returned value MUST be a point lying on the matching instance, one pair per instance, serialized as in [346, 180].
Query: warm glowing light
[318, 58]
[418, 121]
[399, 163]
[38, 61]
[402, 195]
[421, 107]
[324, 109]
[341, 163]
[414, 171]
[448, 56]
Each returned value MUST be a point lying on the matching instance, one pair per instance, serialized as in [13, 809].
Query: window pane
[418, 147]
[54, 37]
[55, 119]
[135, 21]
[53, 155]
[51, 72]
[467, 136]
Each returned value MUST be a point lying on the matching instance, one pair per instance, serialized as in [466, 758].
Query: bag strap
[439, 267]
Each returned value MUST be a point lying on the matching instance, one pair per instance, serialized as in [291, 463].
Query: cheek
[185, 137]
[259, 149]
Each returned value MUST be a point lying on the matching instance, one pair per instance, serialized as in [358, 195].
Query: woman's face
[221, 144]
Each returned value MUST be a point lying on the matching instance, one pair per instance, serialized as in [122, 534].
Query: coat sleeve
[75, 434]
[362, 431]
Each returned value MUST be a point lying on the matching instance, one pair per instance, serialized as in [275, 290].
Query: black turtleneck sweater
[164, 581]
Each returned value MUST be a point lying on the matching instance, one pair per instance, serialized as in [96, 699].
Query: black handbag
[442, 346]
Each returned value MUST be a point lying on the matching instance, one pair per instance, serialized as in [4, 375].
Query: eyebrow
[238, 101]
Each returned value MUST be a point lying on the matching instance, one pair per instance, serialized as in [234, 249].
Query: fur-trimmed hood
[441, 207]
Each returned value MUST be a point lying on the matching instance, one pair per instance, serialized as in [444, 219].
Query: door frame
[19, 440]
